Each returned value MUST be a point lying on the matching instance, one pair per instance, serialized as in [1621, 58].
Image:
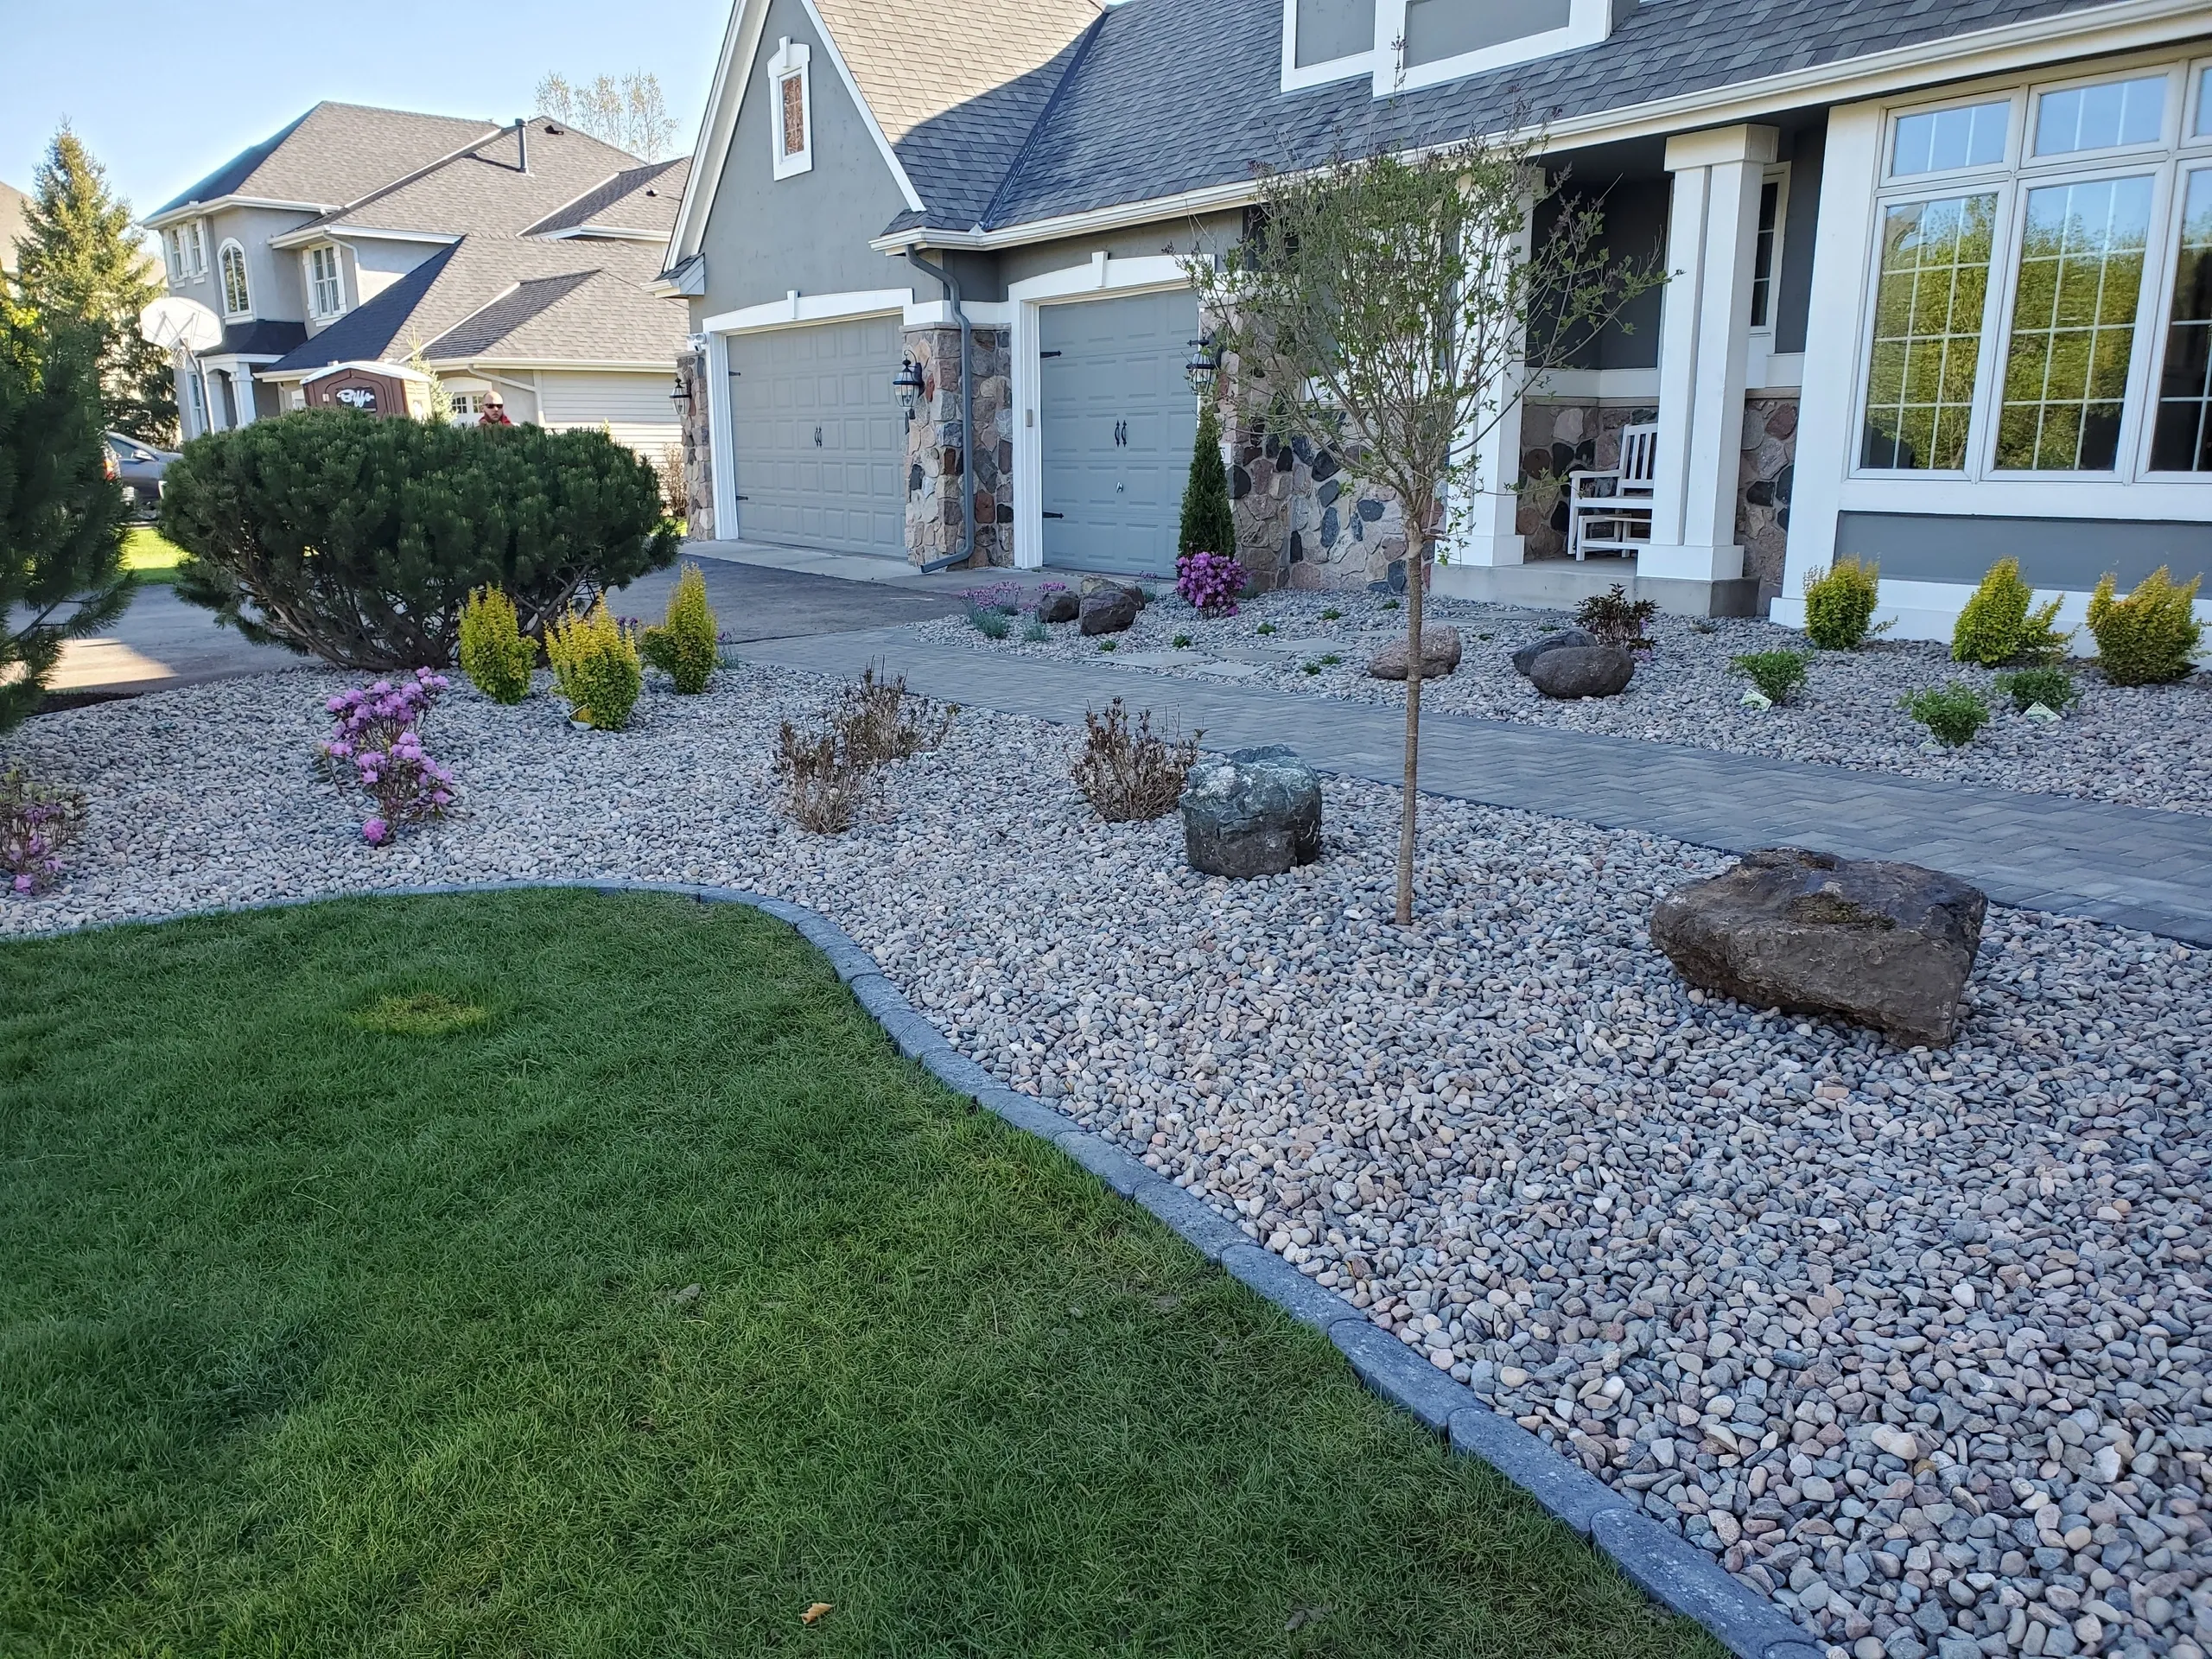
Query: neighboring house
[1940, 281]
[511, 258]
[14, 216]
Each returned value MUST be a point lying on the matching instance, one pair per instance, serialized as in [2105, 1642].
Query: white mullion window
[1766, 250]
[1928, 319]
[325, 292]
[237, 293]
[2181, 424]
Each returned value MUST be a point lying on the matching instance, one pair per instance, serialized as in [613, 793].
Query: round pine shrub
[596, 665]
[1779, 675]
[2151, 636]
[494, 653]
[357, 538]
[1997, 627]
[2053, 688]
[1839, 604]
[686, 644]
[1952, 714]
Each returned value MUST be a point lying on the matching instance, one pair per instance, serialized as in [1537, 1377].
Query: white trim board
[1099, 276]
[796, 308]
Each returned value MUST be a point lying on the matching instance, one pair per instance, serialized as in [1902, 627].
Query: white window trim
[231, 245]
[1588, 22]
[337, 281]
[2160, 265]
[1778, 174]
[2169, 125]
[185, 248]
[1069, 284]
[1348, 67]
[790, 63]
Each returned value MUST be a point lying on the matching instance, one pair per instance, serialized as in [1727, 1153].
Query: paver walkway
[2129, 865]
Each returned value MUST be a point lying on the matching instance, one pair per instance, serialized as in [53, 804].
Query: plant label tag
[1756, 698]
[2042, 714]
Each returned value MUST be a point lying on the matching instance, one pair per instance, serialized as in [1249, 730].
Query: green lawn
[150, 554]
[321, 1335]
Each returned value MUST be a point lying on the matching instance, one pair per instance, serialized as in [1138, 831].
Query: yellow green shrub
[1998, 626]
[595, 665]
[687, 643]
[494, 653]
[2150, 637]
[1839, 604]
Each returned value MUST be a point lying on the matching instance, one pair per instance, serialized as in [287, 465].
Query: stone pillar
[1713, 232]
[693, 414]
[936, 445]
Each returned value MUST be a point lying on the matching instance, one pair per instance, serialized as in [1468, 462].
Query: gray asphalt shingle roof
[335, 153]
[1168, 96]
[637, 198]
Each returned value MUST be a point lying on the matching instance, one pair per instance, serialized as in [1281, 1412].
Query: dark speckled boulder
[1583, 671]
[1257, 812]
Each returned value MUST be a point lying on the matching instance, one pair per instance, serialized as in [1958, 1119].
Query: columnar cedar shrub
[1997, 627]
[596, 665]
[1839, 604]
[494, 653]
[1209, 525]
[687, 643]
[357, 538]
[2150, 637]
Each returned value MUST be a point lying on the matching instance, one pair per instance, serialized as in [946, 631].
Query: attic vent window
[792, 142]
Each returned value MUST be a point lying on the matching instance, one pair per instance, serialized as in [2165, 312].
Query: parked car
[138, 468]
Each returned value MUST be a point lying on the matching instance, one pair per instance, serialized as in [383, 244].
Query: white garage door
[820, 437]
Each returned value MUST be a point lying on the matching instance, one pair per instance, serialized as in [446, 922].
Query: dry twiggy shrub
[879, 722]
[824, 786]
[1128, 773]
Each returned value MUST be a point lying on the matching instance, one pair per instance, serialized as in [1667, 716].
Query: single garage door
[820, 438]
[1115, 420]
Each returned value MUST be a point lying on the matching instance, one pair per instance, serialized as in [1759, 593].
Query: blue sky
[164, 93]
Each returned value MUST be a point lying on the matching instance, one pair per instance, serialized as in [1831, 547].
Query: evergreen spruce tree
[61, 574]
[1208, 524]
[77, 260]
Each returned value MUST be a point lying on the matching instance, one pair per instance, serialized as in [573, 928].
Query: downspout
[967, 415]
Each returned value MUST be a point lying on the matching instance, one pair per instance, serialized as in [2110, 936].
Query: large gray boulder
[1565, 640]
[1097, 584]
[1439, 655]
[1879, 944]
[1059, 605]
[1257, 812]
[1109, 610]
[1583, 671]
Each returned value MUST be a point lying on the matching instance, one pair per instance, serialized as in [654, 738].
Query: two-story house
[1940, 282]
[511, 258]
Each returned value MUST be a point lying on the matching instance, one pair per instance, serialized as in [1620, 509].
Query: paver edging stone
[1668, 1569]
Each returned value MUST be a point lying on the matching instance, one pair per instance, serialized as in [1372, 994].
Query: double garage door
[819, 436]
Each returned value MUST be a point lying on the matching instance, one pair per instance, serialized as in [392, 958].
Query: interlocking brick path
[2129, 865]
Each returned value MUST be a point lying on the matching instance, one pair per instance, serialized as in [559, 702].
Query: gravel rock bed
[1912, 1341]
[2144, 746]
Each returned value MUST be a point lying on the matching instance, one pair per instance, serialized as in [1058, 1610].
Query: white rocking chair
[1609, 510]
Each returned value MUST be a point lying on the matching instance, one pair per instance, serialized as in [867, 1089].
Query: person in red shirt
[495, 411]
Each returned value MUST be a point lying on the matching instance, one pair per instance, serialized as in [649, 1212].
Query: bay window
[2041, 298]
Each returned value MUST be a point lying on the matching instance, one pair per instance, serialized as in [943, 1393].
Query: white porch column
[1480, 524]
[1704, 341]
[721, 452]
[218, 384]
[242, 394]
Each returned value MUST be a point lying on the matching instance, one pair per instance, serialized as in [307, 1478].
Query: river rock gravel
[1914, 1341]
[2145, 746]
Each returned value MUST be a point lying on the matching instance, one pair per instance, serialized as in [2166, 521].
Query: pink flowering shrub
[378, 741]
[36, 826]
[1210, 582]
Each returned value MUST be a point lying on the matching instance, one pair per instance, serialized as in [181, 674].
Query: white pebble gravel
[1915, 1342]
[2145, 746]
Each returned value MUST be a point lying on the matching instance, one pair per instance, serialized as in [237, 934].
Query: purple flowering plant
[1211, 582]
[378, 738]
[37, 824]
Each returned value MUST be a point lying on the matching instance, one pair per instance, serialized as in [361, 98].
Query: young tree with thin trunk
[1396, 309]
[630, 113]
[78, 263]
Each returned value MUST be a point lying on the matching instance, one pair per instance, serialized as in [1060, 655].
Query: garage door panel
[820, 448]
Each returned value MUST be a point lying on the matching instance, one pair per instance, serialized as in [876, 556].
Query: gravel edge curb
[1666, 1567]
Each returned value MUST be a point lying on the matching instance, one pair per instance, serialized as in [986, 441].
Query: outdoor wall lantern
[907, 383]
[1205, 363]
[682, 394]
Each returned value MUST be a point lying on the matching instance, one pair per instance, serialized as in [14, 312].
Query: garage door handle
[1056, 515]
[743, 498]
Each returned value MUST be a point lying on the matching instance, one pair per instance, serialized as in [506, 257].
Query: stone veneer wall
[935, 443]
[698, 454]
[1762, 505]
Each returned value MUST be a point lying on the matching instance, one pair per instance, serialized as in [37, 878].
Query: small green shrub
[494, 653]
[1310, 668]
[1108, 644]
[595, 665]
[2054, 688]
[1779, 675]
[1389, 605]
[1614, 618]
[1997, 627]
[1330, 660]
[989, 621]
[2150, 637]
[687, 642]
[1265, 627]
[1839, 604]
[1952, 714]
[1181, 642]
[1034, 632]
[1331, 614]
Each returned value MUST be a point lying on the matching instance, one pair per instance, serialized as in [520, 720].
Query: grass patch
[150, 554]
[423, 1013]
[670, 1305]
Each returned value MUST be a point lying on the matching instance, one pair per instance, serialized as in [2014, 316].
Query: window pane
[2181, 439]
[1943, 139]
[1926, 333]
[1763, 252]
[2081, 279]
[2102, 117]
[794, 109]
[2203, 115]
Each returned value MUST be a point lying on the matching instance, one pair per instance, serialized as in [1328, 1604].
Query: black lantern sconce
[1205, 363]
[682, 394]
[907, 383]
